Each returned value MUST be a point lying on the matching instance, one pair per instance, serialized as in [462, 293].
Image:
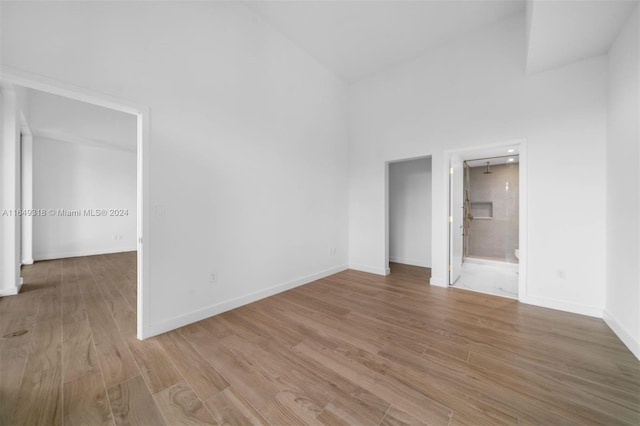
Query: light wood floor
[353, 348]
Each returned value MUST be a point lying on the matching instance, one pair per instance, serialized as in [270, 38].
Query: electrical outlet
[562, 274]
[213, 277]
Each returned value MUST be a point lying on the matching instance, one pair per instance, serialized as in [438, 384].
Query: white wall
[623, 187]
[248, 141]
[5, 288]
[14, 102]
[471, 93]
[410, 212]
[78, 177]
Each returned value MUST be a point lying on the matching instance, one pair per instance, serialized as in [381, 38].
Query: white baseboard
[412, 262]
[80, 253]
[627, 338]
[560, 305]
[218, 308]
[439, 281]
[370, 269]
[27, 262]
[12, 291]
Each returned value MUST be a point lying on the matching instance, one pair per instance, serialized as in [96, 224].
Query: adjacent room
[320, 212]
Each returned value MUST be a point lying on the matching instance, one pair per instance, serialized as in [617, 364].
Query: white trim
[10, 192]
[26, 188]
[627, 338]
[80, 140]
[81, 253]
[561, 305]
[438, 281]
[13, 290]
[370, 269]
[412, 262]
[387, 216]
[387, 240]
[218, 308]
[142, 112]
[60, 88]
[144, 224]
[523, 220]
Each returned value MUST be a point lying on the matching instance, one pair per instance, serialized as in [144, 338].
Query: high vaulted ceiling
[355, 39]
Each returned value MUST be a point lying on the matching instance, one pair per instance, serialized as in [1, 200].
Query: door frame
[452, 268]
[489, 150]
[387, 207]
[55, 87]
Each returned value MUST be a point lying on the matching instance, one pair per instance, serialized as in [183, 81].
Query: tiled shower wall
[494, 238]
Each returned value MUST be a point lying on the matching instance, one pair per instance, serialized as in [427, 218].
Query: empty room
[320, 212]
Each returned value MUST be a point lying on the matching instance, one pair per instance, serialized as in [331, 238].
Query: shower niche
[481, 209]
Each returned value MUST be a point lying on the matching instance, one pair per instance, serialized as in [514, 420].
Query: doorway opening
[485, 221]
[409, 216]
[139, 151]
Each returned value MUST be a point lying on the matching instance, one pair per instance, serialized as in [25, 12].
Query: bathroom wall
[496, 237]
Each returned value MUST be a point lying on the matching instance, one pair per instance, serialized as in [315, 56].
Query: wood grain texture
[132, 404]
[205, 380]
[395, 417]
[350, 349]
[155, 366]
[39, 400]
[79, 356]
[17, 321]
[229, 407]
[39, 397]
[180, 406]
[86, 402]
[288, 408]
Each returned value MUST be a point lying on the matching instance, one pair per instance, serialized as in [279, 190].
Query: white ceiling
[355, 39]
[493, 153]
[494, 161]
[63, 119]
[563, 32]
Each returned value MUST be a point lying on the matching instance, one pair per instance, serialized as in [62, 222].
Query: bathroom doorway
[485, 217]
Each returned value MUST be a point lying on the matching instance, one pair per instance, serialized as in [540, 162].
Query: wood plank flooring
[350, 349]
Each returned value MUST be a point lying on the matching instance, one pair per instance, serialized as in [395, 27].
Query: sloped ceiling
[561, 32]
[355, 39]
